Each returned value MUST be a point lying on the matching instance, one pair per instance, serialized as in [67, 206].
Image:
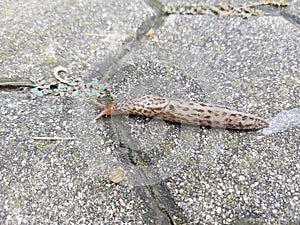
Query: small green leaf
[88, 92]
[165, 9]
[283, 3]
[88, 85]
[40, 78]
[94, 83]
[247, 10]
[81, 83]
[101, 86]
[204, 6]
[75, 93]
[42, 82]
[34, 90]
[223, 7]
[259, 12]
[94, 92]
[215, 10]
[279, 3]
[62, 93]
[40, 93]
[61, 86]
[32, 79]
[245, 15]
[51, 80]
[56, 91]
[72, 83]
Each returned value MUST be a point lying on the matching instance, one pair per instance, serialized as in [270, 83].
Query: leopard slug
[187, 112]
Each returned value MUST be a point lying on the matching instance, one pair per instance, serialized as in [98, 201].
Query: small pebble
[116, 175]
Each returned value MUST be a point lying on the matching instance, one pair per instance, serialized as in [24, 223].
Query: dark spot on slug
[185, 109]
[209, 111]
[199, 110]
[206, 117]
[228, 120]
[202, 104]
[216, 114]
[251, 118]
[191, 103]
[224, 113]
[171, 107]
[232, 114]
[195, 114]
[173, 117]
[244, 117]
[184, 120]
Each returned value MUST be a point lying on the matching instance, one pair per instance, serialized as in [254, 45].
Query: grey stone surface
[38, 36]
[230, 55]
[292, 13]
[174, 174]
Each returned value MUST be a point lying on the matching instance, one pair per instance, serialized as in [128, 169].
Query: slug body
[187, 112]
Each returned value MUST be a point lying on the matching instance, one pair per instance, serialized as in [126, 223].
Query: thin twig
[102, 35]
[17, 84]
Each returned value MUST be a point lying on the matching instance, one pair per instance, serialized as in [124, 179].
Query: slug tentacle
[107, 110]
[188, 112]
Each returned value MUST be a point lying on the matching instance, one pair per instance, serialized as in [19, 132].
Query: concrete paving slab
[247, 64]
[78, 35]
[231, 55]
[218, 64]
[53, 181]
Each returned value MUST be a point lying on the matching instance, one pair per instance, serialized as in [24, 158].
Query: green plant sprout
[75, 87]
[244, 11]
